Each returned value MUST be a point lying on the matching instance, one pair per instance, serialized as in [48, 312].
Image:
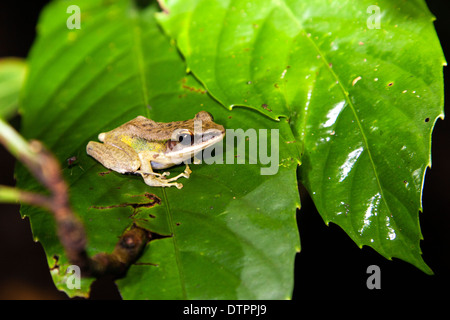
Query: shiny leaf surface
[360, 84]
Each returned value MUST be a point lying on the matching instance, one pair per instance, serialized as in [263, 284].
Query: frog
[143, 145]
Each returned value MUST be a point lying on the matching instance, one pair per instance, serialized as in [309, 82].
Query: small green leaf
[361, 99]
[12, 75]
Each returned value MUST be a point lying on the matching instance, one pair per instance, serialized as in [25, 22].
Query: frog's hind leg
[160, 181]
[114, 158]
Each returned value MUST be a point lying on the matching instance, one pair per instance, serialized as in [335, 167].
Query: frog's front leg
[158, 175]
[186, 174]
[151, 178]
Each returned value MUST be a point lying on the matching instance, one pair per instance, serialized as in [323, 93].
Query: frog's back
[143, 128]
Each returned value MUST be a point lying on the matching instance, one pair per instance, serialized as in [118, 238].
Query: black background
[330, 265]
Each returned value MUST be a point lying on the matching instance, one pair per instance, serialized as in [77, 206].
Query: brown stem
[43, 165]
[34, 199]
[129, 247]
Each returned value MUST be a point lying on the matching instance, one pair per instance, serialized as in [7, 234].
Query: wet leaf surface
[361, 99]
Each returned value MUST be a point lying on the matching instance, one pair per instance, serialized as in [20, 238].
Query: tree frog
[141, 145]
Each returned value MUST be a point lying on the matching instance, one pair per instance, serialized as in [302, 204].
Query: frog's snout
[101, 137]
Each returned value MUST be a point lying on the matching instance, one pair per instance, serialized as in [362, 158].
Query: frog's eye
[185, 139]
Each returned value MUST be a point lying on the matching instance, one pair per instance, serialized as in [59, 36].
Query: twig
[10, 194]
[14, 142]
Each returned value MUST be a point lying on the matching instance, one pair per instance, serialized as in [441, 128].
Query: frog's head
[192, 136]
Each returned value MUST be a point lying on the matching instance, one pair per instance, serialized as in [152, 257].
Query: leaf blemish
[146, 264]
[56, 265]
[192, 89]
[154, 200]
[356, 80]
[266, 107]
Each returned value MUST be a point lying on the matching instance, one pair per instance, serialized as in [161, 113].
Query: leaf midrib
[139, 52]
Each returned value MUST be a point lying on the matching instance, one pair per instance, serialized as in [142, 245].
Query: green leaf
[12, 75]
[229, 233]
[361, 101]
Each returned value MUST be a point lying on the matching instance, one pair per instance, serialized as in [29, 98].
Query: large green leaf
[229, 233]
[360, 99]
